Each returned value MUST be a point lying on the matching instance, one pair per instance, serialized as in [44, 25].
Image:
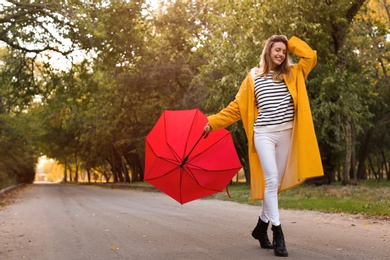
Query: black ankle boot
[278, 241]
[260, 233]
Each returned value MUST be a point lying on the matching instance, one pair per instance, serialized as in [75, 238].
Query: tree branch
[37, 50]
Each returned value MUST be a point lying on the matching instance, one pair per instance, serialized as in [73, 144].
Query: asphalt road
[66, 222]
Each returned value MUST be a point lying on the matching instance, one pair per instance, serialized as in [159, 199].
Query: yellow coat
[304, 158]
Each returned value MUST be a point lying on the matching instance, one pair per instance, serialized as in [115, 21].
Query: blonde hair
[265, 60]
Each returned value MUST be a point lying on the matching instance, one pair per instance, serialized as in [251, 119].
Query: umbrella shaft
[186, 158]
[184, 162]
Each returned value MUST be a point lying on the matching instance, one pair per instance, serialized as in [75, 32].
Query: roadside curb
[123, 186]
[10, 188]
[126, 186]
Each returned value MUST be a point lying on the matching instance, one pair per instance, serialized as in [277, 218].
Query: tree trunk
[353, 154]
[70, 174]
[385, 168]
[112, 163]
[65, 173]
[88, 174]
[348, 153]
[372, 167]
[125, 171]
[117, 165]
[135, 164]
[361, 172]
[327, 159]
[76, 173]
[119, 171]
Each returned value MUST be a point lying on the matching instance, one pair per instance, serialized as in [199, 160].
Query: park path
[76, 222]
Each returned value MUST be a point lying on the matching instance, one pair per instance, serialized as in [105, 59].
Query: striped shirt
[274, 103]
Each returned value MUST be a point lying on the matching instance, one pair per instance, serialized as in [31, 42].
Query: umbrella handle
[188, 155]
[227, 191]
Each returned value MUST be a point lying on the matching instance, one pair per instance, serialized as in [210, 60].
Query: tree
[369, 38]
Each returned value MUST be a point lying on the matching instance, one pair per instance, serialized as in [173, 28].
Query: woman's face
[278, 54]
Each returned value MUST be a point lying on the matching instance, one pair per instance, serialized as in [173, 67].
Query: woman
[272, 102]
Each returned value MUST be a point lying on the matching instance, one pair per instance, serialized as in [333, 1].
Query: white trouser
[273, 149]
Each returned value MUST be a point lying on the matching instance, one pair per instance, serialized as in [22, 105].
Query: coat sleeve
[226, 116]
[308, 57]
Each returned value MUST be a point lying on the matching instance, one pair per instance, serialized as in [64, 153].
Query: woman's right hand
[206, 130]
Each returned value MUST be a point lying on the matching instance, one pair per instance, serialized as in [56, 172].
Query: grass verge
[370, 198]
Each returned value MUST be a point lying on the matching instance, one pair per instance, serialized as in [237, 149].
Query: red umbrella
[183, 164]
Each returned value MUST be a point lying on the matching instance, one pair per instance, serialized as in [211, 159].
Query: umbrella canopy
[183, 164]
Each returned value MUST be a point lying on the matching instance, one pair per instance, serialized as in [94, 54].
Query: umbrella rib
[215, 143]
[201, 168]
[189, 172]
[188, 155]
[161, 176]
[191, 130]
[174, 161]
[175, 154]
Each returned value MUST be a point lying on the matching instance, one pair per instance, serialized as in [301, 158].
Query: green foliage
[18, 152]
[17, 83]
